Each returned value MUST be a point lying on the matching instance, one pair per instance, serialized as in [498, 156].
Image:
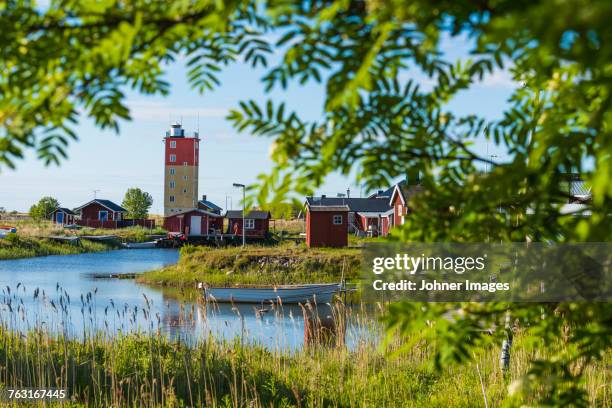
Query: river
[61, 294]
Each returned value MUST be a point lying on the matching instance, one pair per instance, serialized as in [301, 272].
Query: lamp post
[238, 185]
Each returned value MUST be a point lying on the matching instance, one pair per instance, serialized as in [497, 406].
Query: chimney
[380, 192]
[204, 197]
[348, 193]
[323, 196]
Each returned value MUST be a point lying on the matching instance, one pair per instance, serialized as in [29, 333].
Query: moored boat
[140, 245]
[319, 293]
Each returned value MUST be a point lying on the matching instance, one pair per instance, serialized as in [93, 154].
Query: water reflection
[58, 293]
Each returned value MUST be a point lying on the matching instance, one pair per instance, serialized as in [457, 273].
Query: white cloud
[161, 111]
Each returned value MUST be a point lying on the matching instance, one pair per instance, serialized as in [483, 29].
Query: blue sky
[111, 163]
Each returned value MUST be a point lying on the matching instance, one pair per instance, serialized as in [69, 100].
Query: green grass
[15, 246]
[151, 370]
[256, 265]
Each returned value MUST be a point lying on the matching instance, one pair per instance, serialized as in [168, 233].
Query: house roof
[104, 203]
[406, 191]
[256, 215]
[354, 204]
[210, 214]
[65, 210]
[322, 208]
[210, 205]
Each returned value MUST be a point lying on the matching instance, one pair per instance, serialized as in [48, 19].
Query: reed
[118, 363]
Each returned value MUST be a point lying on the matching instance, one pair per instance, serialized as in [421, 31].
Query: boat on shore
[318, 292]
[140, 245]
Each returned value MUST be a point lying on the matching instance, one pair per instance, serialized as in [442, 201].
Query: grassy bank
[31, 241]
[257, 265]
[31, 228]
[15, 246]
[149, 370]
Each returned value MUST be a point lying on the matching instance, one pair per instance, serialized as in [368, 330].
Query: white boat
[140, 245]
[319, 293]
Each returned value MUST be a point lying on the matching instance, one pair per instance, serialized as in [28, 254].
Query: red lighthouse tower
[181, 160]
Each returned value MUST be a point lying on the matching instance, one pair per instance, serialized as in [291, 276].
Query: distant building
[63, 216]
[181, 160]
[257, 223]
[99, 213]
[194, 222]
[327, 225]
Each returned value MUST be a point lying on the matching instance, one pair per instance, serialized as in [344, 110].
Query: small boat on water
[319, 293]
[140, 245]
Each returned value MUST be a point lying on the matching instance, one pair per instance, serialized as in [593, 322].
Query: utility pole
[238, 185]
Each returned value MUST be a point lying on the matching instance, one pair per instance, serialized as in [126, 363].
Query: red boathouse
[63, 216]
[257, 223]
[327, 225]
[194, 222]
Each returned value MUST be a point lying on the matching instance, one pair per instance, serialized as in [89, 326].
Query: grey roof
[354, 204]
[256, 215]
[210, 204]
[408, 191]
[105, 203]
[328, 208]
[198, 210]
[65, 210]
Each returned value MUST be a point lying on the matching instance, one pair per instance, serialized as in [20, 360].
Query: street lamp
[238, 185]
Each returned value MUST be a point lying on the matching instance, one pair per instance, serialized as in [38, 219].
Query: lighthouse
[181, 157]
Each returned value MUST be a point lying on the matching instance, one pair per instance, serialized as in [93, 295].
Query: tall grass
[106, 366]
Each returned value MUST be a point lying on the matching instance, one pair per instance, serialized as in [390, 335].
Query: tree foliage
[76, 58]
[137, 202]
[43, 209]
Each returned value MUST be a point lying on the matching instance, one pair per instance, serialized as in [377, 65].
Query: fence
[93, 223]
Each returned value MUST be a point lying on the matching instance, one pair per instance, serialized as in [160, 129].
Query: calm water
[59, 292]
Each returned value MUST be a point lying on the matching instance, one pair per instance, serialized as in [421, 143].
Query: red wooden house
[366, 216]
[327, 226]
[400, 201]
[100, 213]
[194, 222]
[257, 223]
[63, 216]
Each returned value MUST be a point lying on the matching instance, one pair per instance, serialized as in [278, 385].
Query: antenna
[198, 123]
[95, 193]
[181, 120]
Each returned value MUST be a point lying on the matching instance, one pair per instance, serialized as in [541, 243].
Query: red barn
[194, 222]
[63, 216]
[257, 223]
[327, 225]
[100, 213]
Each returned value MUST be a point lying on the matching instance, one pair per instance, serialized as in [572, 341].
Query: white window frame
[173, 144]
[185, 177]
[249, 224]
[337, 219]
[172, 171]
[172, 158]
[171, 198]
[185, 164]
[100, 215]
[172, 184]
[400, 210]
